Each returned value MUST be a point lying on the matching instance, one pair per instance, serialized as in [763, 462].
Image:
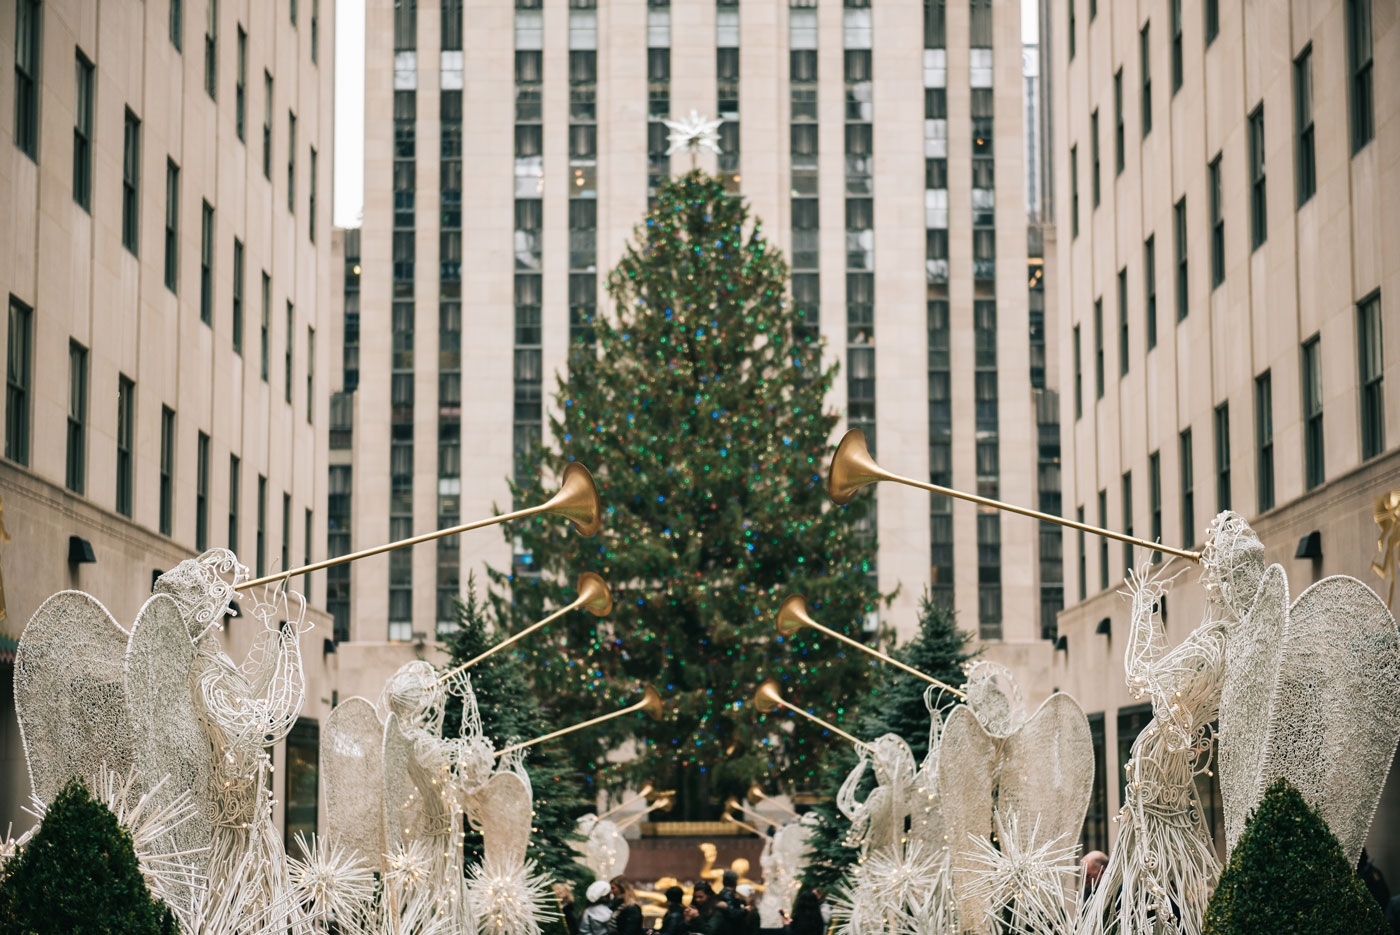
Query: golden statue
[1387, 565]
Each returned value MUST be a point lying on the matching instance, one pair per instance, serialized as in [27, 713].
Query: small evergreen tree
[510, 712]
[699, 401]
[79, 875]
[895, 707]
[1288, 876]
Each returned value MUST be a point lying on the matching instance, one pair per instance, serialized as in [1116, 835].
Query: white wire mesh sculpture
[603, 850]
[1025, 880]
[783, 861]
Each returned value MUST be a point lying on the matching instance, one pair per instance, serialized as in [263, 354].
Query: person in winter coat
[674, 921]
[702, 918]
[731, 907]
[627, 915]
[806, 915]
[567, 909]
[597, 916]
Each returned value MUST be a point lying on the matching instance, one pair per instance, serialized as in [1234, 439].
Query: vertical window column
[802, 143]
[401, 390]
[583, 171]
[449, 466]
[1047, 419]
[860, 233]
[76, 474]
[940, 388]
[658, 94]
[1372, 371]
[727, 103]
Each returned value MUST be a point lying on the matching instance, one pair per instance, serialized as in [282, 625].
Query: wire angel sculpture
[603, 850]
[783, 860]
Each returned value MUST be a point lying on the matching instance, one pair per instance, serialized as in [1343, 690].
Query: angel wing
[1253, 652]
[1335, 720]
[1047, 770]
[967, 767]
[168, 738]
[70, 692]
[413, 805]
[504, 807]
[352, 760]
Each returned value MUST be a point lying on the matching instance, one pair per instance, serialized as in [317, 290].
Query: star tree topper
[692, 134]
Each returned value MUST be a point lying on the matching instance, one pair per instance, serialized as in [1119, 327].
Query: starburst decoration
[692, 134]
[1029, 879]
[331, 877]
[899, 892]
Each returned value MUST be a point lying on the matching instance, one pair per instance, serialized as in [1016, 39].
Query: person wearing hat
[597, 915]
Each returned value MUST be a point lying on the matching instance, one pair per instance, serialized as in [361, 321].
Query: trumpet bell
[852, 468]
[577, 500]
[651, 702]
[767, 698]
[793, 616]
[594, 595]
[755, 793]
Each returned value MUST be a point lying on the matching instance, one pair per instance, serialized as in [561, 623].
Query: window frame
[1314, 451]
[75, 460]
[1264, 440]
[1258, 179]
[1215, 189]
[28, 70]
[83, 105]
[1304, 132]
[1370, 349]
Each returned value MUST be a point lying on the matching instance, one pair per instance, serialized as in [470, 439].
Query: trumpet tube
[756, 794]
[646, 791]
[767, 698]
[593, 593]
[793, 616]
[852, 468]
[747, 827]
[757, 816]
[576, 500]
[650, 703]
[632, 819]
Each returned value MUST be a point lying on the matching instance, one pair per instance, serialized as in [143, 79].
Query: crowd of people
[612, 909]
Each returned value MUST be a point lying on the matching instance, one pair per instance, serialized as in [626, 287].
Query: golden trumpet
[793, 616]
[756, 794]
[734, 821]
[646, 791]
[732, 804]
[767, 698]
[650, 703]
[576, 500]
[660, 805]
[852, 468]
[594, 596]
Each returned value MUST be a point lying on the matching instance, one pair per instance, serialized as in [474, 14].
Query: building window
[1217, 224]
[201, 494]
[405, 25]
[1183, 300]
[287, 357]
[1176, 46]
[82, 134]
[316, 32]
[19, 373]
[303, 771]
[1188, 491]
[1363, 117]
[308, 520]
[260, 555]
[237, 296]
[177, 15]
[1368, 343]
[131, 182]
[1098, 348]
[235, 495]
[167, 469]
[310, 374]
[27, 50]
[126, 438]
[1103, 541]
[267, 126]
[1154, 498]
[1145, 59]
[265, 326]
[1118, 131]
[1083, 557]
[172, 226]
[1078, 378]
[1072, 30]
[1212, 20]
[77, 417]
[1094, 157]
[291, 161]
[1095, 837]
[1074, 191]
[311, 206]
[1303, 126]
[240, 87]
[1123, 322]
[206, 265]
[1264, 438]
[1131, 722]
[1258, 201]
[1314, 466]
[1127, 521]
[1149, 284]
[211, 49]
[1222, 457]
[286, 531]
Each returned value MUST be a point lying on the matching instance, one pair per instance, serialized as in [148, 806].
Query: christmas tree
[699, 404]
[509, 713]
[1288, 874]
[895, 707]
[78, 875]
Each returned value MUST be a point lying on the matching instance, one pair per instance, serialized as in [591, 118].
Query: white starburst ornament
[692, 134]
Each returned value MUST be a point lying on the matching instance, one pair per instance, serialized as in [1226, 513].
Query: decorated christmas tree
[896, 706]
[699, 402]
[510, 712]
[79, 875]
[1288, 874]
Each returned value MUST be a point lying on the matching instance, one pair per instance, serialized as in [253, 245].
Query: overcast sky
[350, 106]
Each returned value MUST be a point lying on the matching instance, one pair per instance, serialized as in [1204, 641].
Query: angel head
[201, 588]
[893, 761]
[413, 693]
[995, 698]
[1233, 564]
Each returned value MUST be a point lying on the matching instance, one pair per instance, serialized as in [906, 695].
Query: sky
[350, 103]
